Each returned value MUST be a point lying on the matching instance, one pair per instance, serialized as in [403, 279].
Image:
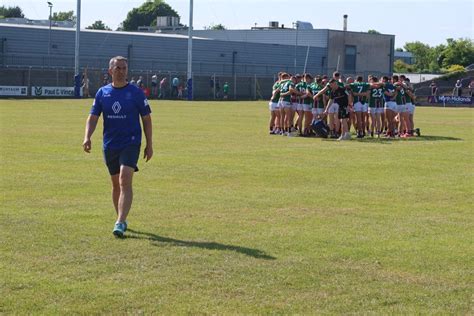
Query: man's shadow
[256, 253]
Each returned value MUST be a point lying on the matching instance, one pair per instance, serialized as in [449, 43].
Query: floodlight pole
[296, 41]
[77, 75]
[189, 82]
[50, 5]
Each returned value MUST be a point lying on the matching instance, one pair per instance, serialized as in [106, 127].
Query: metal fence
[205, 86]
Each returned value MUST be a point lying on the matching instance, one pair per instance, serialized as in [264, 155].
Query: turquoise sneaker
[119, 229]
[126, 226]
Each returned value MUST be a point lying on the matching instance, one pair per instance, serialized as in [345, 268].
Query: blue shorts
[128, 156]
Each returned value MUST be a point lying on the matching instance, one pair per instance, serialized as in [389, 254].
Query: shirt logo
[116, 107]
[145, 103]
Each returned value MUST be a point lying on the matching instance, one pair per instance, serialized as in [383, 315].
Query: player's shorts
[285, 105]
[365, 107]
[411, 108]
[334, 108]
[358, 107]
[128, 156]
[374, 111]
[273, 106]
[317, 111]
[391, 105]
[299, 106]
[402, 108]
[343, 112]
[307, 107]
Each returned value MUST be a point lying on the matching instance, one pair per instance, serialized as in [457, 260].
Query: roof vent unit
[273, 24]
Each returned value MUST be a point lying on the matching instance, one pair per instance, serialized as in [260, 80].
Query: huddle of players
[388, 103]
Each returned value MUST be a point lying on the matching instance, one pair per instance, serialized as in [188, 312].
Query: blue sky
[430, 22]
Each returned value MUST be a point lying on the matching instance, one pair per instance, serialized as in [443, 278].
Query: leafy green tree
[455, 68]
[146, 14]
[458, 52]
[11, 12]
[401, 66]
[215, 27]
[423, 55]
[64, 16]
[98, 25]
[373, 32]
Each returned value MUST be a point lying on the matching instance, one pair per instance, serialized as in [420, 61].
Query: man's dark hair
[359, 78]
[336, 74]
[332, 80]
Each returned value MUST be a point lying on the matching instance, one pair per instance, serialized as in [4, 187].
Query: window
[350, 60]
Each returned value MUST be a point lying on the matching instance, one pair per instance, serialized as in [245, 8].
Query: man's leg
[115, 191]
[126, 192]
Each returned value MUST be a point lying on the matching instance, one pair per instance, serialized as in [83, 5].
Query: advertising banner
[40, 91]
[444, 99]
[21, 91]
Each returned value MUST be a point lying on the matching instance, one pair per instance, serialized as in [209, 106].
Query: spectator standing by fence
[457, 91]
[174, 87]
[225, 88]
[154, 86]
[471, 87]
[162, 88]
[434, 92]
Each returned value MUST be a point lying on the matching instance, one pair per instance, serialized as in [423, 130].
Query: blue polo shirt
[122, 108]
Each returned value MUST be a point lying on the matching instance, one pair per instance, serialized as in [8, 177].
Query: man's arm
[91, 124]
[147, 130]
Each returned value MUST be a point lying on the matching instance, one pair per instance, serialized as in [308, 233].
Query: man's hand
[148, 153]
[87, 145]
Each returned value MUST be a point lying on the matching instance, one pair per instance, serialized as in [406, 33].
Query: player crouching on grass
[122, 105]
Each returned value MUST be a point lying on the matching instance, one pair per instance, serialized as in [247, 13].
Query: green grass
[229, 220]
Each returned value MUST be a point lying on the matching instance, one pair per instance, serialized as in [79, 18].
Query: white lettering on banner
[454, 99]
[39, 91]
[14, 90]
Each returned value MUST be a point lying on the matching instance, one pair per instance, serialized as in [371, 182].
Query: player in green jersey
[301, 91]
[287, 88]
[307, 98]
[376, 106]
[319, 102]
[410, 98]
[390, 107]
[359, 90]
[274, 107]
[401, 99]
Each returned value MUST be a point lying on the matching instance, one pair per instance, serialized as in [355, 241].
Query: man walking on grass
[122, 105]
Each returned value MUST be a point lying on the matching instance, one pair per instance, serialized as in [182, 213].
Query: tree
[423, 54]
[64, 16]
[215, 27]
[146, 14]
[457, 52]
[373, 32]
[99, 25]
[401, 66]
[11, 12]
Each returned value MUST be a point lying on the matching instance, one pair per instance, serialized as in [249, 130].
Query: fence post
[235, 86]
[28, 93]
[255, 86]
[214, 86]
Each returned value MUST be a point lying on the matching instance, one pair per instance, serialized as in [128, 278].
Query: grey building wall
[28, 46]
[374, 52]
[312, 38]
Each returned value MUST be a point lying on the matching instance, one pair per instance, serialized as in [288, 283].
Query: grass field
[229, 220]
